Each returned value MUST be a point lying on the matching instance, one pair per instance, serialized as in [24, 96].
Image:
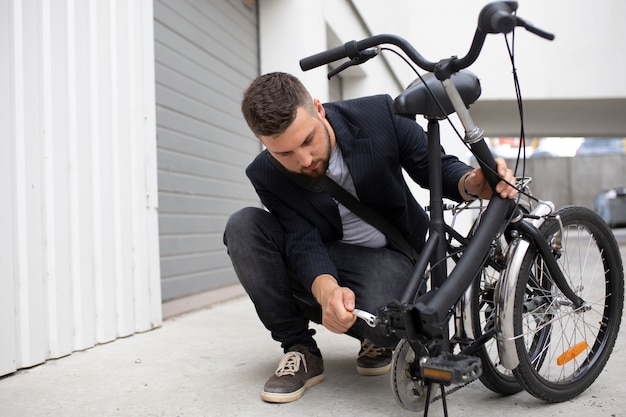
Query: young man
[308, 254]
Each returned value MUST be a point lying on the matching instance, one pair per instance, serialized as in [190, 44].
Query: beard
[313, 175]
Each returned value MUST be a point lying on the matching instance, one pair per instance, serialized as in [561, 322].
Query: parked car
[541, 154]
[600, 146]
[611, 206]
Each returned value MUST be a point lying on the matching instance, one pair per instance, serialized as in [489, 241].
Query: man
[309, 254]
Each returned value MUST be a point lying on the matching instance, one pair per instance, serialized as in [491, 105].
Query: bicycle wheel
[562, 350]
[495, 377]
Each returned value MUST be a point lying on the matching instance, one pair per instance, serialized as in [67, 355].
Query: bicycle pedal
[450, 369]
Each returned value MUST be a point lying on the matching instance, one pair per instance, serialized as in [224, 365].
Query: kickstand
[443, 399]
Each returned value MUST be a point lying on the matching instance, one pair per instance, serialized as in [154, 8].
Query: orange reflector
[571, 353]
[437, 374]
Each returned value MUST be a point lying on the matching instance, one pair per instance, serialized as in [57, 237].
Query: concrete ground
[214, 362]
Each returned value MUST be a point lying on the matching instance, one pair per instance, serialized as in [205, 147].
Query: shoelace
[290, 364]
[370, 350]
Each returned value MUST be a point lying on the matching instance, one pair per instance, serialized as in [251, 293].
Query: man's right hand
[337, 303]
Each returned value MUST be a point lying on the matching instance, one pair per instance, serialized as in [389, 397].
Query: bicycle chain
[450, 391]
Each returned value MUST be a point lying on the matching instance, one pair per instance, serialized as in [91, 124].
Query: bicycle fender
[504, 298]
[504, 301]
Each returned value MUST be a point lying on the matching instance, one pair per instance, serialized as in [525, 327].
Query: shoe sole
[373, 371]
[274, 397]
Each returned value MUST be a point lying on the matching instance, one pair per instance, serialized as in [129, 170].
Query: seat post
[437, 226]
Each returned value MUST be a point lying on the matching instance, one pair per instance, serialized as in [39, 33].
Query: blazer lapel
[356, 149]
[322, 202]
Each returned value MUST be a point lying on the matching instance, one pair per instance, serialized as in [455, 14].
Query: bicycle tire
[494, 377]
[562, 351]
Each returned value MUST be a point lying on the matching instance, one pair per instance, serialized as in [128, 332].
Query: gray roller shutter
[206, 55]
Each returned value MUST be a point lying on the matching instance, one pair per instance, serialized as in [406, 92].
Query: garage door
[206, 55]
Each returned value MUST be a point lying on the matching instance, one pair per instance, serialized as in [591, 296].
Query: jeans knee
[243, 222]
[251, 228]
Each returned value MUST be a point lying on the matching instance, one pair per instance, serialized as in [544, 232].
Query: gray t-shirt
[356, 231]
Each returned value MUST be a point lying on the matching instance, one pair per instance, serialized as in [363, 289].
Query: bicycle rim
[562, 349]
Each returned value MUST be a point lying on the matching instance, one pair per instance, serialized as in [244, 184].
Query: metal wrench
[368, 318]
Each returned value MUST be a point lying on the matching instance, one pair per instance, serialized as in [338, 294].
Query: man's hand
[474, 182]
[337, 303]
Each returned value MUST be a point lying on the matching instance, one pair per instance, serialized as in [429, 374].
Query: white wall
[79, 258]
[291, 30]
[573, 84]
[579, 63]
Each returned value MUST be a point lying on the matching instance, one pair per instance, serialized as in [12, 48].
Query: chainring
[409, 392]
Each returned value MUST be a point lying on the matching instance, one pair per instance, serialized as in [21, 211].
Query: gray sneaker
[298, 370]
[373, 360]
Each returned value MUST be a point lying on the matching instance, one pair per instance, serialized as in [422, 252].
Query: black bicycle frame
[424, 318]
[430, 311]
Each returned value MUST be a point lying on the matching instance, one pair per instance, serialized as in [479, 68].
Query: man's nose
[305, 158]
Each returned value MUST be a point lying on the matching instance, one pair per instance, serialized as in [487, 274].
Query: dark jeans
[254, 239]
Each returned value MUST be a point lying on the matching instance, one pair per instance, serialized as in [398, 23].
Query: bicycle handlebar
[353, 50]
[495, 17]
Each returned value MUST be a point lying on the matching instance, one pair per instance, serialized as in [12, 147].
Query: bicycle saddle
[416, 99]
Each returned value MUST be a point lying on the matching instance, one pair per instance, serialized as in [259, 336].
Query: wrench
[368, 318]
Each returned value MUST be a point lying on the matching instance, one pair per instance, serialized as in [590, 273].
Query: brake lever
[533, 29]
[361, 58]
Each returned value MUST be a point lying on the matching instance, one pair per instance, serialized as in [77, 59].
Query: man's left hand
[477, 184]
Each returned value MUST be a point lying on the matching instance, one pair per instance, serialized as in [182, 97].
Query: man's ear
[319, 107]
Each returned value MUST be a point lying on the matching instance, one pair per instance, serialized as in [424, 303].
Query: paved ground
[214, 362]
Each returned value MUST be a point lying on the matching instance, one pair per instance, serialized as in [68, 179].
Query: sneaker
[373, 360]
[298, 370]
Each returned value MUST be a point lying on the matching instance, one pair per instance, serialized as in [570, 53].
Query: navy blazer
[376, 145]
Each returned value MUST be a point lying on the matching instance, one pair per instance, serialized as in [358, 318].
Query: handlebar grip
[497, 17]
[542, 33]
[323, 58]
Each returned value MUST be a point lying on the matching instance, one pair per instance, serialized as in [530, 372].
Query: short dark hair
[271, 101]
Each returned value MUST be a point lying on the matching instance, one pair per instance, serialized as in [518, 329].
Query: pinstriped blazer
[376, 145]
